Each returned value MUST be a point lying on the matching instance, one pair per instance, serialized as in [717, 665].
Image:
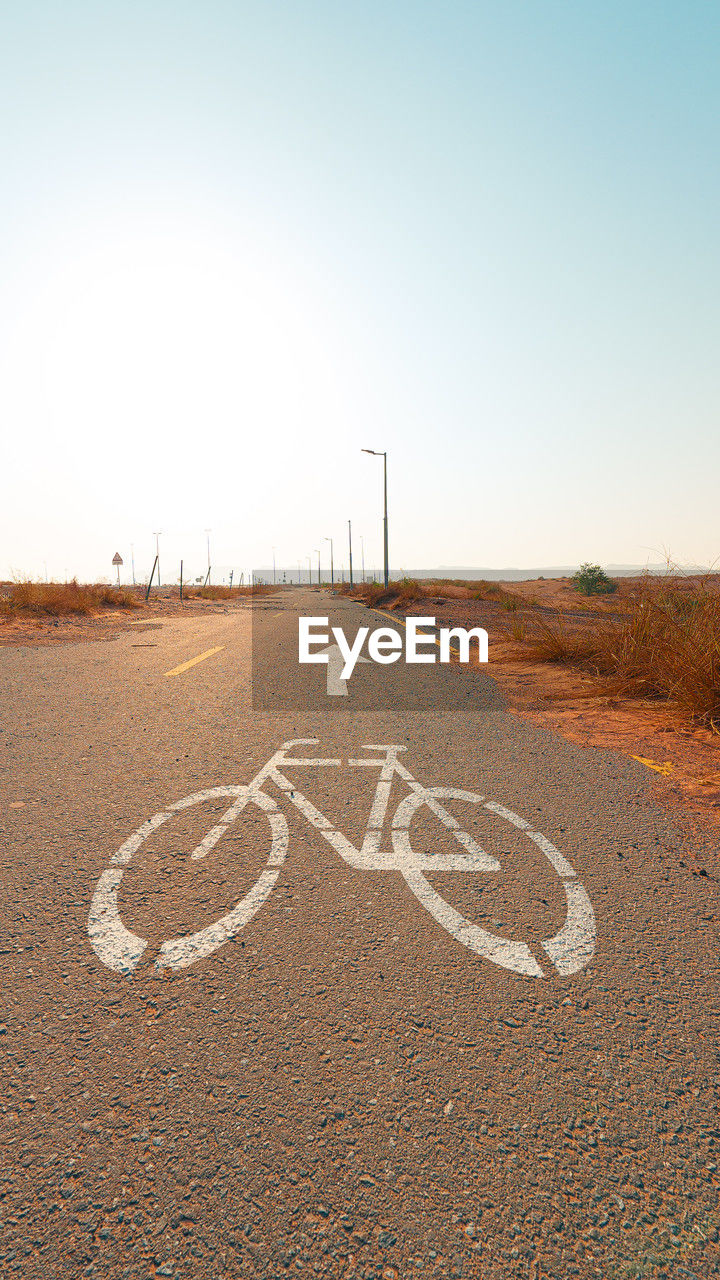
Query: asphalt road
[344, 1087]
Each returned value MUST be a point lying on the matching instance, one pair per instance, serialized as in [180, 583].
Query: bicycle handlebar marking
[569, 950]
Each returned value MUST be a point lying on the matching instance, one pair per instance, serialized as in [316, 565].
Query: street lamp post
[350, 546]
[378, 453]
[157, 552]
[317, 553]
[309, 569]
[332, 569]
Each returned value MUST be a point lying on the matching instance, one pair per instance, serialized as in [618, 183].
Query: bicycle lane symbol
[568, 951]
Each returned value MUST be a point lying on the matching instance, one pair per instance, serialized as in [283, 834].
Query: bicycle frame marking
[569, 950]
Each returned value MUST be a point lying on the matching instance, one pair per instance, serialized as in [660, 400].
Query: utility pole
[378, 453]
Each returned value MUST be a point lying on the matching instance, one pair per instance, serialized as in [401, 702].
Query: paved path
[344, 1087]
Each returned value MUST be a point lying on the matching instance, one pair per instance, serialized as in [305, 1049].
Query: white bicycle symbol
[569, 950]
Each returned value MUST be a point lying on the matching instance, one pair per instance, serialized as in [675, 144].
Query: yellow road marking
[665, 768]
[185, 666]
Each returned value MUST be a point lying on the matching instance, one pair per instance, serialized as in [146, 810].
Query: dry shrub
[374, 593]
[62, 599]
[668, 646]
[396, 595]
[225, 593]
[410, 592]
[518, 629]
[118, 598]
[492, 591]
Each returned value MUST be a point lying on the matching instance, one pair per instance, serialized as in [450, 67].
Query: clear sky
[239, 241]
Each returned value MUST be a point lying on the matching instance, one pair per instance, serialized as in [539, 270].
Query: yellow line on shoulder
[185, 666]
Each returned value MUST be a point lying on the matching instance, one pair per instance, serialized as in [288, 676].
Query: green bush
[591, 580]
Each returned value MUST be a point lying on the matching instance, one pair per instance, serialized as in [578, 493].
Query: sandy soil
[684, 758]
[106, 623]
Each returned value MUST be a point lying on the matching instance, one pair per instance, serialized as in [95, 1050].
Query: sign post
[117, 561]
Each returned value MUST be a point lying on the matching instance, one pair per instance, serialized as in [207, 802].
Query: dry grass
[404, 592]
[62, 599]
[656, 637]
[666, 646]
[397, 594]
[224, 593]
[493, 591]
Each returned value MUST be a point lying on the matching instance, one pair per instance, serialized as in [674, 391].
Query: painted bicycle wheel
[121, 950]
[572, 946]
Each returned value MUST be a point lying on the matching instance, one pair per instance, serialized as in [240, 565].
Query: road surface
[342, 1086]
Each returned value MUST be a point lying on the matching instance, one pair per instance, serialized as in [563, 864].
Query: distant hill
[547, 571]
[290, 573]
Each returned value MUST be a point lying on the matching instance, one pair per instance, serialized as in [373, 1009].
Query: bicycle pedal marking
[568, 951]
